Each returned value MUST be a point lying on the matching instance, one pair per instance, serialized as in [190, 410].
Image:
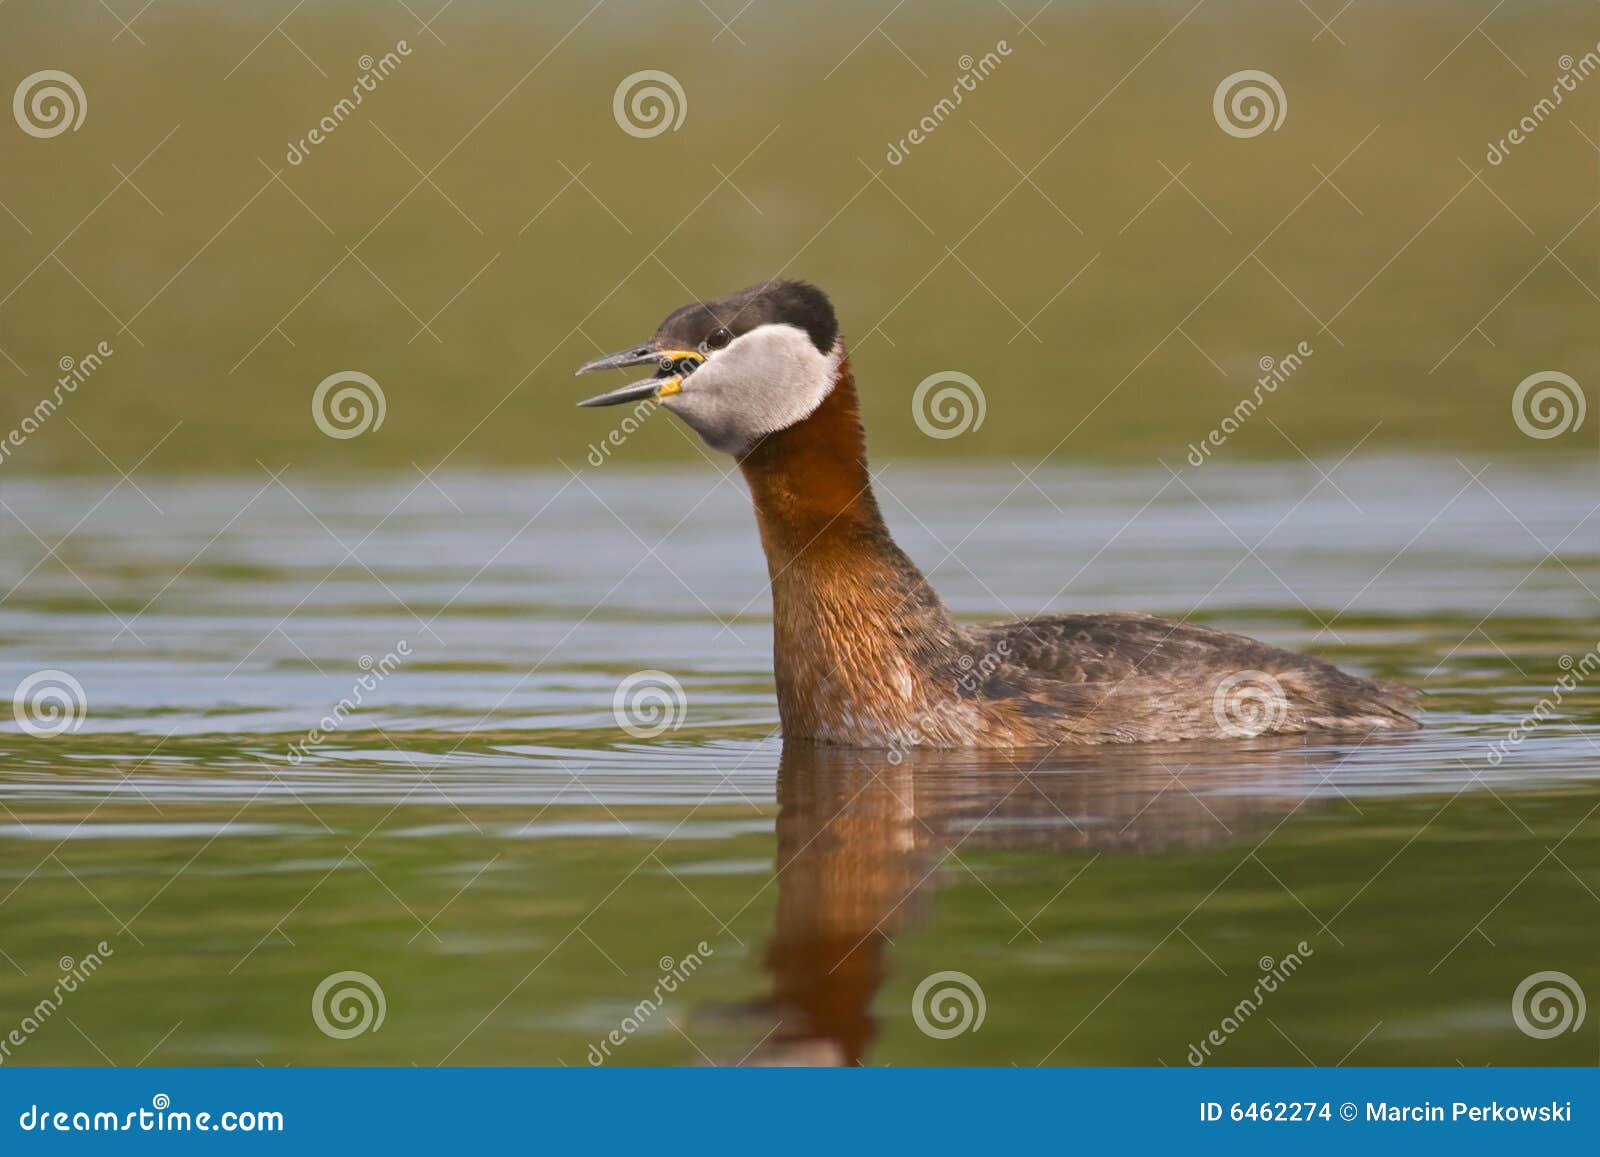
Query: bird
[865, 653]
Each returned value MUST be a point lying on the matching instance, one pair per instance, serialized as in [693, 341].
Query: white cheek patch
[762, 382]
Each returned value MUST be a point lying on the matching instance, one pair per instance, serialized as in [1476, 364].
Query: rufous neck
[809, 483]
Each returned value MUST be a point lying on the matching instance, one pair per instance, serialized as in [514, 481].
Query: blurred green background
[1079, 235]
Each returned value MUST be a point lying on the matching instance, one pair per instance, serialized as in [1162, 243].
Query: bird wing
[1144, 677]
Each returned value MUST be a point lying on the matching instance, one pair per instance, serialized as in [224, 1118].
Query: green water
[517, 874]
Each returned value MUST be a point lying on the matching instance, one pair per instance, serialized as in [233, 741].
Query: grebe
[865, 654]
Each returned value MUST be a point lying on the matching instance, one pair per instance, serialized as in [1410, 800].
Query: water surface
[517, 874]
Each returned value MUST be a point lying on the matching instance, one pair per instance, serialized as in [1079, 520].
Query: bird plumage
[865, 653]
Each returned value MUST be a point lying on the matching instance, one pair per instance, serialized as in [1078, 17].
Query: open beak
[671, 368]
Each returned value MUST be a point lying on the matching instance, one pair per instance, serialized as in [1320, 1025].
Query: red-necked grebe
[865, 653]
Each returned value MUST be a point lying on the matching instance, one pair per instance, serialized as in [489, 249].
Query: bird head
[738, 368]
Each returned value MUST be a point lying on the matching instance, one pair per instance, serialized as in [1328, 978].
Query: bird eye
[716, 341]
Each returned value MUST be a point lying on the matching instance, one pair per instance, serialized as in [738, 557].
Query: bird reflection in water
[863, 841]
